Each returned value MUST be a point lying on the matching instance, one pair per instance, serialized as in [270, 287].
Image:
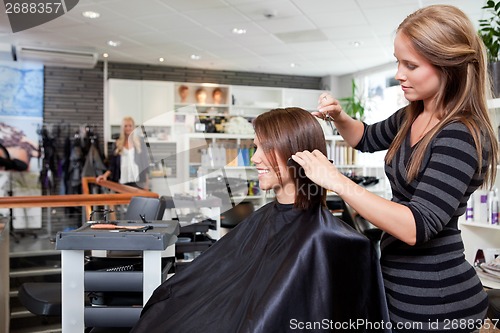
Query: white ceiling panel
[317, 35]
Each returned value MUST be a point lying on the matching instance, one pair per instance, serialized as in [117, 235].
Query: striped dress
[430, 286]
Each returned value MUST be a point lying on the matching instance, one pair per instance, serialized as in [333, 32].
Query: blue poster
[21, 89]
[21, 110]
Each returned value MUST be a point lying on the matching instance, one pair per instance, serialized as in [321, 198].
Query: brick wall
[177, 74]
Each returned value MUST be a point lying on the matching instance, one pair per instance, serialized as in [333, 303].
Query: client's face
[268, 177]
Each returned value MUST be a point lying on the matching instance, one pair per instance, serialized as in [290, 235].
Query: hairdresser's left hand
[318, 168]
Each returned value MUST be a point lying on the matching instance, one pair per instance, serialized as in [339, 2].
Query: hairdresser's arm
[349, 128]
[393, 218]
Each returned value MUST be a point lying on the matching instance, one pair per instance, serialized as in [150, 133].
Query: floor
[43, 247]
[32, 259]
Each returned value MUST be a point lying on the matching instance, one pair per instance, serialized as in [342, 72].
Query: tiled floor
[32, 260]
[30, 246]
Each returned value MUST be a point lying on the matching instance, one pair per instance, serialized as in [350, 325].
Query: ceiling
[318, 36]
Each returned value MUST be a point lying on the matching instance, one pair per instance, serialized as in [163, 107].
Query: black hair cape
[280, 270]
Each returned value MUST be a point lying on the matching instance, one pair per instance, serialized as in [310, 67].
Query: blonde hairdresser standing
[440, 149]
[129, 161]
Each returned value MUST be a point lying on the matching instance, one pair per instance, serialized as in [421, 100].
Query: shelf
[255, 107]
[202, 105]
[247, 197]
[488, 281]
[334, 138]
[494, 103]
[226, 167]
[221, 136]
[34, 271]
[481, 225]
[350, 166]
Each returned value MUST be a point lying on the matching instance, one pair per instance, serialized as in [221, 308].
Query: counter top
[162, 234]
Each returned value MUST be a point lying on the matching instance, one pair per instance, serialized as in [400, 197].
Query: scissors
[329, 120]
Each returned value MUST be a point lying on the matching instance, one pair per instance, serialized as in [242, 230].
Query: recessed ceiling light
[356, 43]
[90, 14]
[239, 31]
[293, 65]
[195, 57]
[161, 59]
[105, 55]
[114, 43]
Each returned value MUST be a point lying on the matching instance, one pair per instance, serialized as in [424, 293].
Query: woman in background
[440, 149]
[129, 160]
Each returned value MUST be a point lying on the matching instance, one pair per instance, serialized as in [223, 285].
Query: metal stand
[12, 233]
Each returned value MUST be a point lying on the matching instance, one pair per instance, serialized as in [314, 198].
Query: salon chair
[352, 218]
[233, 216]
[44, 298]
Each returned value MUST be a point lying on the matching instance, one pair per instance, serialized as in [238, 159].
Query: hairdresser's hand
[328, 106]
[101, 178]
[318, 168]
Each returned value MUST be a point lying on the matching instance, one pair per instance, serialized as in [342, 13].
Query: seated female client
[290, 265]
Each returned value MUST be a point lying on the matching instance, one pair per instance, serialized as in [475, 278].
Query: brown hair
[447, 39]
[282, 133]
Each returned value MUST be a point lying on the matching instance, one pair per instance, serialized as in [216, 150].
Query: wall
[74, 97]
[177, 74]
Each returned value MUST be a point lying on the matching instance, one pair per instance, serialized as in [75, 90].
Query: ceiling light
[293, 65]
[90, 14]
[161, 59]
[239, 31]
[356, 43]
[270, 14]
[105, 55]
[114, 43]
[195, 57]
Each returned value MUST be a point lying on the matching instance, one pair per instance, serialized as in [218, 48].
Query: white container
[481, 206]
[469, 211]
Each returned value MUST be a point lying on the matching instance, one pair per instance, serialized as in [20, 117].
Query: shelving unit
[156, 103]
[196, 142]
[252, 101]
[479, 234]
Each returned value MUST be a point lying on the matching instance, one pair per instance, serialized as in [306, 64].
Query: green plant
[353, 104]
[489, 29]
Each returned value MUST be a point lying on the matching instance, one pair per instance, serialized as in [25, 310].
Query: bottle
[201, 190]
[204, 158]
[232, 156]
[481, 206]
[241, 160]
[222, 155]
[246, 156]
[210, 153]
[469, 211]
[494, 207]
[216, 155]
[251, 151]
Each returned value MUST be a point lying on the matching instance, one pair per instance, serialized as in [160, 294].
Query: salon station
[128, 148]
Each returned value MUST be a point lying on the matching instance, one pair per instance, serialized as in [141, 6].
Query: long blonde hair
[446, 37]
[133, 138]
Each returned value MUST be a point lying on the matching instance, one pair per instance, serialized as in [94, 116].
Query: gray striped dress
[430, 286]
